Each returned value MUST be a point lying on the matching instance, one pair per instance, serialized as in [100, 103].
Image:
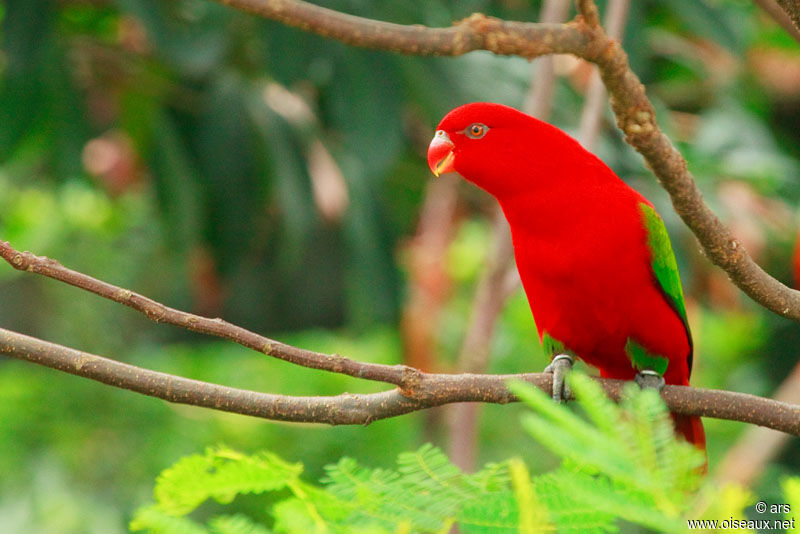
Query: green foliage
[620, 462]
[220, 474]
[649, 474]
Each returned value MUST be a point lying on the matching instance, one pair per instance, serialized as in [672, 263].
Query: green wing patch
[663, 260]
[641, 359]
[553, 347]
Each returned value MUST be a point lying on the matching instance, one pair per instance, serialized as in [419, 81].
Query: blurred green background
[234, 167]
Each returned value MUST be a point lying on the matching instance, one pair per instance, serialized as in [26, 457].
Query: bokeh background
[234, 167]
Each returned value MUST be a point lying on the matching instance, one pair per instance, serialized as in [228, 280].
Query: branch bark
[635, 114]
[792, 8]
[429, 390]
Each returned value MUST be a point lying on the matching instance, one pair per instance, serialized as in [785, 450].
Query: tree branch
[476, 32]
[349, 409]
[635, 114]
[415, 390]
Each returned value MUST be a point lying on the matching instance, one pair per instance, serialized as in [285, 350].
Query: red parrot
[594, 256]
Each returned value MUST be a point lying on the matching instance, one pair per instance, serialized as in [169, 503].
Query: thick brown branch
[399, 375]
[432, 390]
[635, 113]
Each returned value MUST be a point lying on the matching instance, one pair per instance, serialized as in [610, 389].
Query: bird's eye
[476, 131]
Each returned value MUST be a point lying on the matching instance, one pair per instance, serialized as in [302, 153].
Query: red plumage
[580, 241]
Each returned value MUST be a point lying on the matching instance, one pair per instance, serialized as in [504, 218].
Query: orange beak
[440, 154]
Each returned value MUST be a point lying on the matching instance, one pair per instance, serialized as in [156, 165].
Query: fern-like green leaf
[791, 492]
[625, 462]
[153, 520]
[236, 524]
[619, 501]
[493, 477]
[495, 513]
[569, 515]
[570, 436]
[293, 516]
[220, 474]
[533, 516]
[390, 498]
[621, 462]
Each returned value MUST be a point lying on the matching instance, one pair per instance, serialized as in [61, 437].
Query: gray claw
[649, 379]
[560, 367]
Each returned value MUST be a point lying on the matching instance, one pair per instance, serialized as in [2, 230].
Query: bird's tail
[691, 428]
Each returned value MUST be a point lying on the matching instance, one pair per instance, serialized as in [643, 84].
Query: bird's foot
[560, 368]
[649, 379]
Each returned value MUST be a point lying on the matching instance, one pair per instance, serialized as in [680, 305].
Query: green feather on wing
[663, 259]
[665, 268]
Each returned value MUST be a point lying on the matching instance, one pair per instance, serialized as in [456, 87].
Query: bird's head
[496, 147]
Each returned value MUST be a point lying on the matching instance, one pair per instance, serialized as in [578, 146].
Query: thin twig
[488, 301]
[432, 390]
[476, 32]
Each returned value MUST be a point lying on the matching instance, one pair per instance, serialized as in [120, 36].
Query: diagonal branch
[635, 114]
[350, 409]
